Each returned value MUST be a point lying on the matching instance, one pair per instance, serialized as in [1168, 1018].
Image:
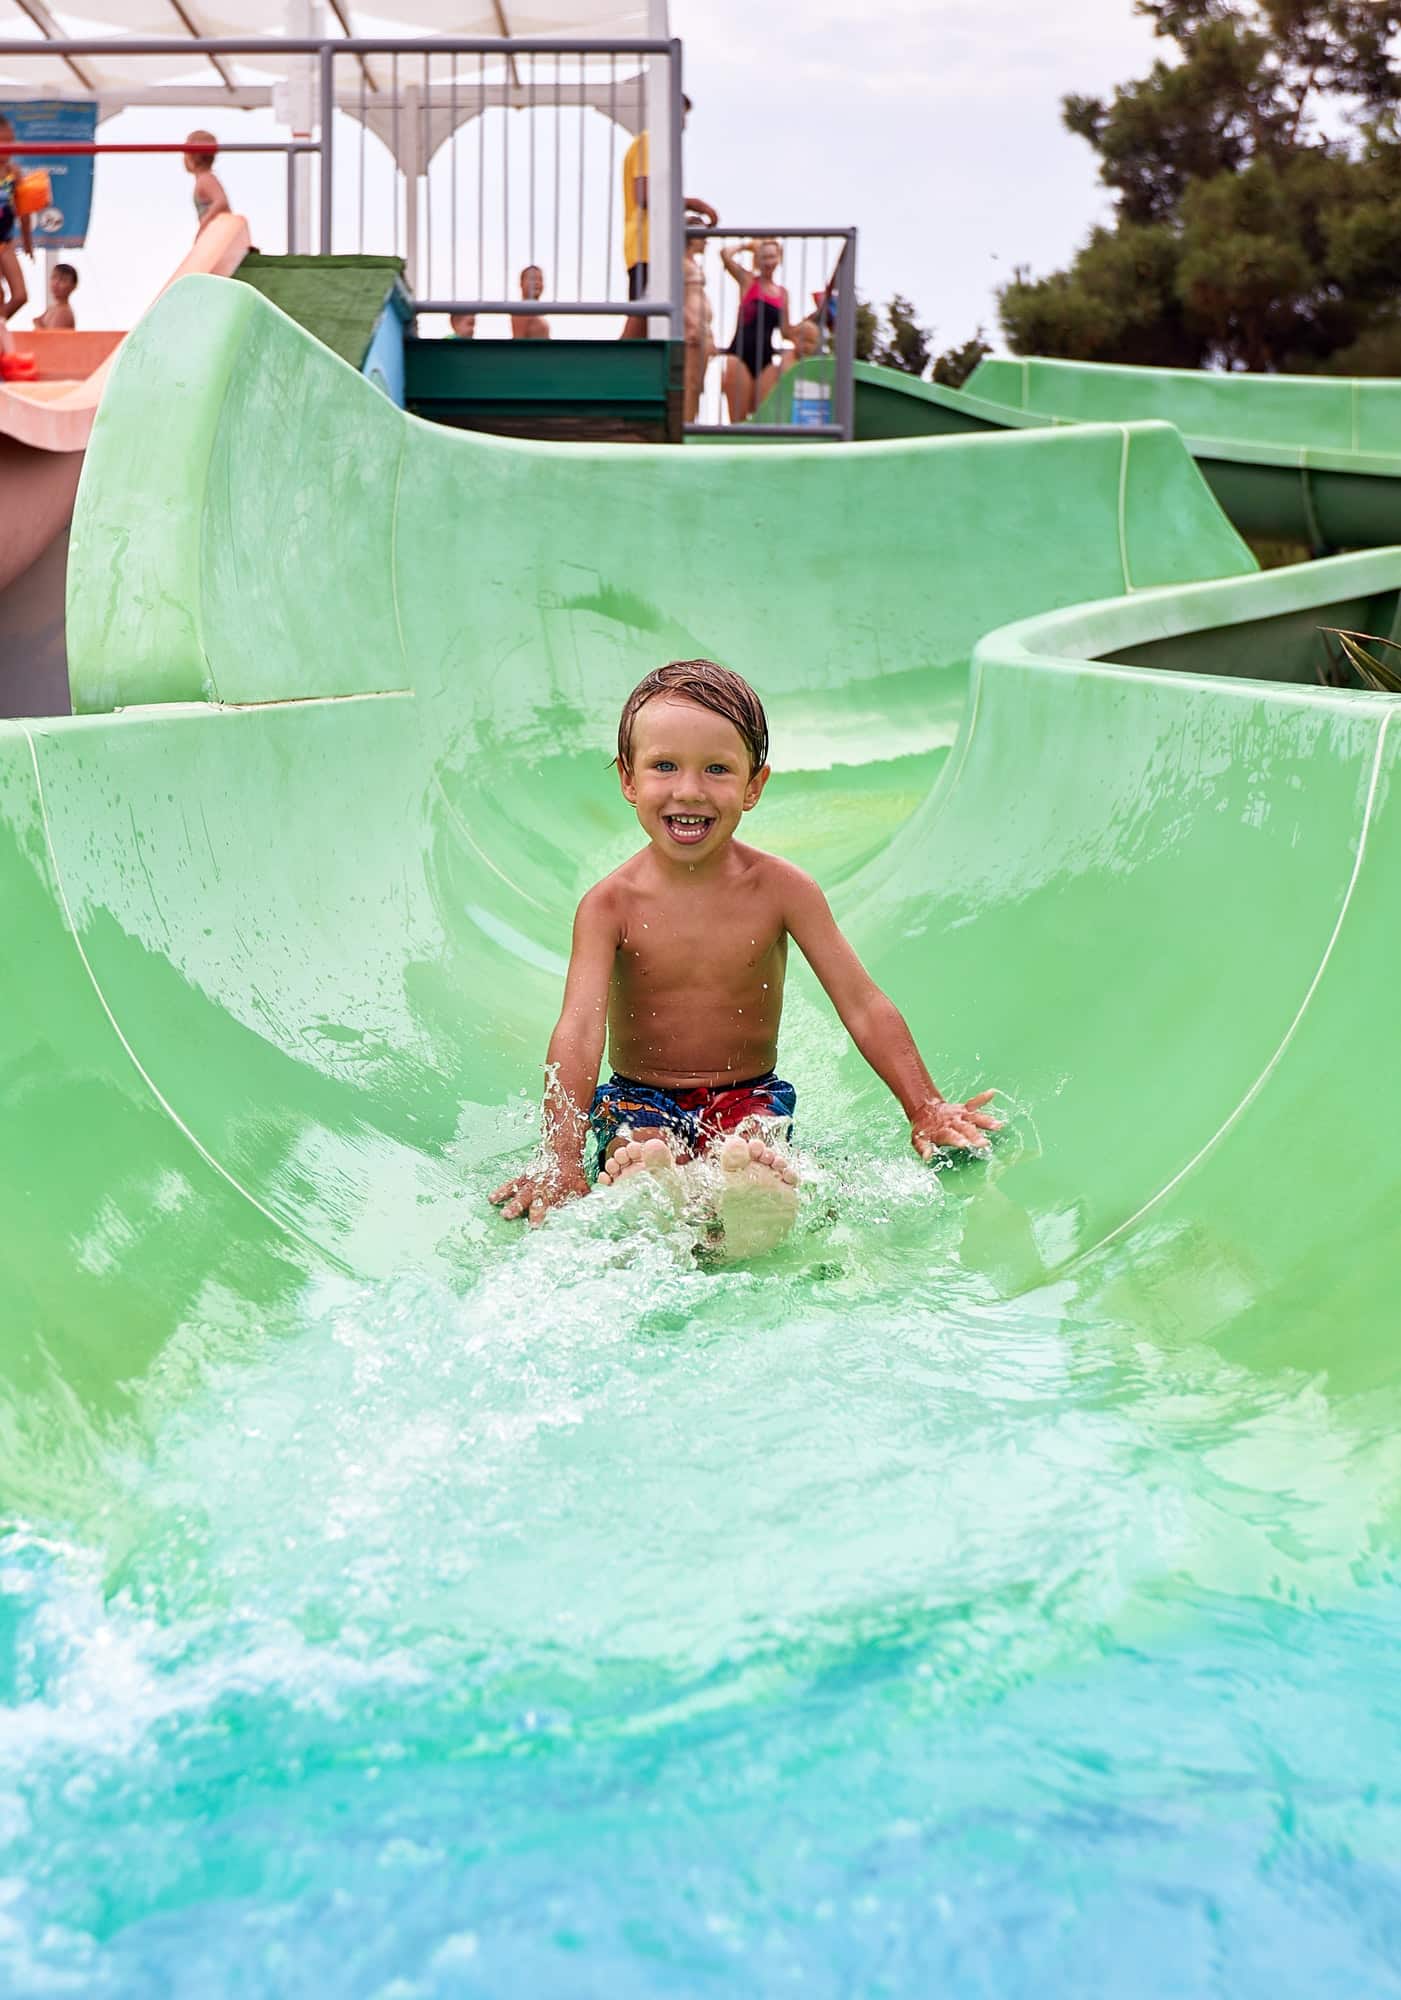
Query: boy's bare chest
[700, 940]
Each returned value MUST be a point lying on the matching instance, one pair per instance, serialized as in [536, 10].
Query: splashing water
[605, 1625]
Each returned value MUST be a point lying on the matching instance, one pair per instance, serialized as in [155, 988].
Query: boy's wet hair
[708, 685]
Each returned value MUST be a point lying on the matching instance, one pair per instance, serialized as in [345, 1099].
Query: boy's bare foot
[645, 1156]
[758, 1197]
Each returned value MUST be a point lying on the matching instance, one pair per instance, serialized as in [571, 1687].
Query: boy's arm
[877, 1026]
[571, 1065]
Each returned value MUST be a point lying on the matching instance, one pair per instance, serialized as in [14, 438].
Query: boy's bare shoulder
[787, 881]
[608, 900]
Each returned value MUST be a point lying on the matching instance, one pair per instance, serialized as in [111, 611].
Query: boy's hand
[940, 1123]
[534, 1194]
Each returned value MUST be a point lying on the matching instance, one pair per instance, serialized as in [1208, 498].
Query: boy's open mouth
[687, 829]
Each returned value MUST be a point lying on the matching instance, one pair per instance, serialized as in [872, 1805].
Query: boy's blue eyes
[665, 764]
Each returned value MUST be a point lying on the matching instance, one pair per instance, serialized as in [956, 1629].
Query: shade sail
[244, 80]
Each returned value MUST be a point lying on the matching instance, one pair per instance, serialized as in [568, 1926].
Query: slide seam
[394, 560]
[1123, 508]
[284, 1228]
[1282, 1050]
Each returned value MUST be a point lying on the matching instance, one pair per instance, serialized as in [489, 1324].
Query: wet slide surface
[993, 1591]
[1307, 458]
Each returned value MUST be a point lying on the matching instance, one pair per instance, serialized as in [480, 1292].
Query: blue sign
[812, 403]
[63, 225]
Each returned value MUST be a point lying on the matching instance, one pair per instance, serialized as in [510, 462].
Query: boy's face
[61, 287]
[690, 779]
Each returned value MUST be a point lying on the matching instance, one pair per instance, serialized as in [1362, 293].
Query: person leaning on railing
[636, 230]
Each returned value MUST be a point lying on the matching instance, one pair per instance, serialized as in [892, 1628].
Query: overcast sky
[933, 125]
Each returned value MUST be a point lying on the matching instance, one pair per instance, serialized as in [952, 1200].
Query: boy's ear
[755, 787]
[629, 789]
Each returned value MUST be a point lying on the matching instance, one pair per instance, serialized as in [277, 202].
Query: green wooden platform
[623, 391]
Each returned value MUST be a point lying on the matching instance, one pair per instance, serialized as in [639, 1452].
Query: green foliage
[907, 345]
[867, 330]
[1245, 234]
[953, 367]
[897, 340]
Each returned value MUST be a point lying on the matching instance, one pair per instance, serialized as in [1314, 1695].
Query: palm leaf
[1378, 675]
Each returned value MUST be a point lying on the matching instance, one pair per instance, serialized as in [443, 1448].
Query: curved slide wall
[1305, 458]
[295, 893]
[44, 431]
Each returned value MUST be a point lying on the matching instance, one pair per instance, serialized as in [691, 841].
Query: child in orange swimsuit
[16, 292]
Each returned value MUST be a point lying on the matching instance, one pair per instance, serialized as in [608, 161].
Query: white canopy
[242, 82]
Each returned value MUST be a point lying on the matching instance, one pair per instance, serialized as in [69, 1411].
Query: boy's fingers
[539, 1209]
[981, 1098]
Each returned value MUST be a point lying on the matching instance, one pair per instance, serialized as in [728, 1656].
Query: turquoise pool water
[588, 1624]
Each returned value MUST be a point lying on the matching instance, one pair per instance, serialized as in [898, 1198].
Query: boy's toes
[734, 1155]
[654, 1154]
[768, 1156]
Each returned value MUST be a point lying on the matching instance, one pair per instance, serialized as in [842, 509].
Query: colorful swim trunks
[693, 1117]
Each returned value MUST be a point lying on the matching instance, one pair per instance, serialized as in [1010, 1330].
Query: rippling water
[591, 1624]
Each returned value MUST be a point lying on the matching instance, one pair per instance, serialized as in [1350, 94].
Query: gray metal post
[675, 275]
[844, 401]
[326, 120]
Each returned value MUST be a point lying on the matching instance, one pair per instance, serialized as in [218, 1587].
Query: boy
[683, 951]
[531, 326]
[201, 150]
[58, 314]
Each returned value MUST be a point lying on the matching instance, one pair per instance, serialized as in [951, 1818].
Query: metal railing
[414, 96]
[734, 381]
[412, 145]
[291, 149]
[480, 190]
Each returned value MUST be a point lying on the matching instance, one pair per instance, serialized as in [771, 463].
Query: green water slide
[290, 894]
[1305, 458]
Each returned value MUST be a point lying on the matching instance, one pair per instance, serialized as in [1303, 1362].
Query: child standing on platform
[201, 151]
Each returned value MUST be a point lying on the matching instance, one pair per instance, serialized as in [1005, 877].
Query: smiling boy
[680, 955]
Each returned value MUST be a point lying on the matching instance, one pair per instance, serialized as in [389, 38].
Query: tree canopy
[1257, 198]
[899, 341]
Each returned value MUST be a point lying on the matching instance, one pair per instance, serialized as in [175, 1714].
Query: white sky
[933, 125]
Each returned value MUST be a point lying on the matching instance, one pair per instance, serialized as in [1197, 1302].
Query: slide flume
[298, 881]
[995, 1587]
[1308, 458]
